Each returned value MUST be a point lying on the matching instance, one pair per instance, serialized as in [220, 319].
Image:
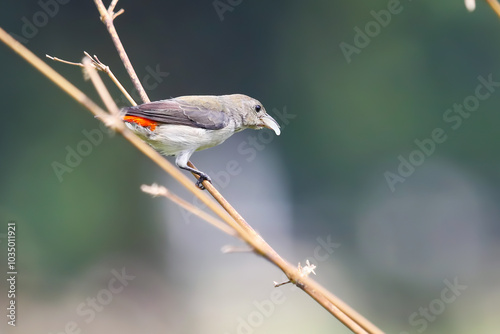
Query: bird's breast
[173, 139]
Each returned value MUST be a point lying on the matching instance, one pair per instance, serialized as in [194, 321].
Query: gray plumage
[191, 123]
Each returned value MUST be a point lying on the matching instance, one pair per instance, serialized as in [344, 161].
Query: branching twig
[156, 190]
[112, 6]
[46, 70]
[80, 97]
[100, 67]
[101, 89]
[107, 16]
[335, 306]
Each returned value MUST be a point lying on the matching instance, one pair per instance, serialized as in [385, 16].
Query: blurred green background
[415, 256]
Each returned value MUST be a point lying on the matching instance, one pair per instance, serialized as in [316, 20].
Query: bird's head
[252, 112]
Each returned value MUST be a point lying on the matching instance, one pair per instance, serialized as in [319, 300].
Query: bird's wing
[180, 113]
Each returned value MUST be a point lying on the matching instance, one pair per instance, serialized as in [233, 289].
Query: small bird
[182, 125]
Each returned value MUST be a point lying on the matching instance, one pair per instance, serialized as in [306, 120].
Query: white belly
[173, 139]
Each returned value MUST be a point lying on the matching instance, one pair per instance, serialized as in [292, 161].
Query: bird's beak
[270, 123]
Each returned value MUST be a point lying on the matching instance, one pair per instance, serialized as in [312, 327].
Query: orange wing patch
[141, 121]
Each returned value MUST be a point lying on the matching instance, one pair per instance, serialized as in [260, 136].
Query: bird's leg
[182, 160]
[202, 176]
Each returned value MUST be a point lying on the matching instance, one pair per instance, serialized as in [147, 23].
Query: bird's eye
[258, 108]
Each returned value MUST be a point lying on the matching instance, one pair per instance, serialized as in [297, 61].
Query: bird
[183, 125]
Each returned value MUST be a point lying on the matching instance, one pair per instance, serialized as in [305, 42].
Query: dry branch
[353, 320]
[495, 6]
[98, 65]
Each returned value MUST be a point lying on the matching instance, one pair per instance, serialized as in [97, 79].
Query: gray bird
[182, 125]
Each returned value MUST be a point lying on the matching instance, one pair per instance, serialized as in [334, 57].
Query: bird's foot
[202, 178]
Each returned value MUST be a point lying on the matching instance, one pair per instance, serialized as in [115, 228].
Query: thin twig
[495, 6]
[276, 284]
[101, 88]
[107, 70]
[46, 70]
[107, 17]
[235, 249]
[226, 205]
[101, 67]
[112, 6]
[64, 61]
[156, 190]
[118, 13]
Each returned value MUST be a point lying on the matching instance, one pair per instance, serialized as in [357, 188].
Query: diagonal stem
[495, 6]
[156, 190]
[335, 306]
[107, 17]
[325, 298]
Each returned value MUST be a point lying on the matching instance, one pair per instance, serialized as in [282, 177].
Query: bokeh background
[419, 256]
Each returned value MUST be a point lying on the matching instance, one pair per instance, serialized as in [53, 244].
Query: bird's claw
[202, 178]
